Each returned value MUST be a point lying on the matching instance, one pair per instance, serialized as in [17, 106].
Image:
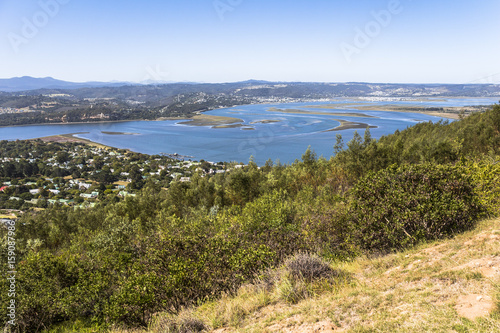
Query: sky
[391, 41]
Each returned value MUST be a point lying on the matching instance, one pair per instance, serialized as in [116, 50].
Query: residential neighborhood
[36, 174]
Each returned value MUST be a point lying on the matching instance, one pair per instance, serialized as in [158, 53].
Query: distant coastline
[118, 133]
[223, 136]
[79, 122]
[360, 104]
[63, 138]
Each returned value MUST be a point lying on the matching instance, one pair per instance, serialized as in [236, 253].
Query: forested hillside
[183, 100]
[167, 248]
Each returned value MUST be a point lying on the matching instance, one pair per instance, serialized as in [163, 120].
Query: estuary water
[267, 131]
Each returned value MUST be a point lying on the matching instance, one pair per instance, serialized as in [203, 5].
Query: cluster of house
[82, 185]
[83, 193]
[11, 110]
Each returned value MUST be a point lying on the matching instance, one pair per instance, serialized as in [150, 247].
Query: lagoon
[265, 131]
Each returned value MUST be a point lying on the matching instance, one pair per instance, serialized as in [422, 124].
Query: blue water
[285, 140]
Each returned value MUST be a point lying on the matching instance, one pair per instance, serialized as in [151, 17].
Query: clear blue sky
[423, 41]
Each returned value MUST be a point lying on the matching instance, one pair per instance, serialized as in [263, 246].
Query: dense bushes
[137, 260]
[163, 250]
[134, 258]
[486, 176]
[402, 206]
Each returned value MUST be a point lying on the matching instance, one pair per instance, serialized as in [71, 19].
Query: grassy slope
[420, 290]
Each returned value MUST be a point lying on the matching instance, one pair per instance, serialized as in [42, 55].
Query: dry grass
[71, 138]
[185, 322]
[415, 291]
[420, 290]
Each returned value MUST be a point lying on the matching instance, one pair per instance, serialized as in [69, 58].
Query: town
[35, 174]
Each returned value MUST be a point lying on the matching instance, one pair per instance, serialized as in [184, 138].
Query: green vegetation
[399, 207]
[165, 250]
[70, 108]
[433, 287]
[37, 174]
[184, 100]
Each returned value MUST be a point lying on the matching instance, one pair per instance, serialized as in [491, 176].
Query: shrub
[309, 267]
[302, 276]
[182, 324]
[326, 231]
[41, 282]
[486, 176]
[399, 207]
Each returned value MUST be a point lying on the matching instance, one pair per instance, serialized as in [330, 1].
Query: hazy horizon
[219, 41]
[247, 80]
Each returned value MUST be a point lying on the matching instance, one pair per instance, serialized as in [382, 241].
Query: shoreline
[118, 133]
[79, 123]
[314, 113]
[64, 138]
[345, 125]
[102, 121]
[362, 104]
[453, 114]
[214, 121]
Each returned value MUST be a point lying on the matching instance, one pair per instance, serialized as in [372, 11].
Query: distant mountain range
[26, 83]
[28, 100]
[146, 91]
